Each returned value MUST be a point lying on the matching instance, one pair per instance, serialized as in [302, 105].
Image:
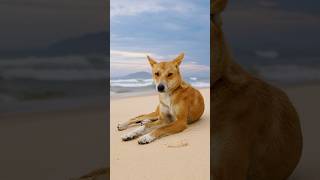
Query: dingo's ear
[177, 61]
[151, 61]
[218, 6]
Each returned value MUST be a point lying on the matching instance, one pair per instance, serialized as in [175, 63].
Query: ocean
[38, 78]
[134, 85]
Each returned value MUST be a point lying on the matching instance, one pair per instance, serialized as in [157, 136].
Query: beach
[60, 142]
[306, 99]
[185, 155]
[68, 142]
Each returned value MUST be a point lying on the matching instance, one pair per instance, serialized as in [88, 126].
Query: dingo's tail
[218, 6]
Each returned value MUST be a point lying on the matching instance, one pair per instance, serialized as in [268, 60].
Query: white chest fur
[165, 104]
[165, 99]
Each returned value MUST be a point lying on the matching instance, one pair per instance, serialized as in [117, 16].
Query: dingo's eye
[157, 74]
[170, 74]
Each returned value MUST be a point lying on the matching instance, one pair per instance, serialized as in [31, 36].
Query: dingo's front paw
[146, 139]
[122, 126]
[133, 134]
[128, 137]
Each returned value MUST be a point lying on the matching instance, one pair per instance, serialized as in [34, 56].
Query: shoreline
[140, 94]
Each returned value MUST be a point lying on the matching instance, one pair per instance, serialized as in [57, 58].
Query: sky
[161, 29]
[290, 27]
[34, 24]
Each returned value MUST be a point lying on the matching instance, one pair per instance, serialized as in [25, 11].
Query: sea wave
[290, 73]
[193, 78]
[138, 83]
[200, 84]
[53, 74]
[131, 83]
[130, 80]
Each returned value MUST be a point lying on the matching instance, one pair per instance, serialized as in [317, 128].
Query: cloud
[129, 54]
[172, 26]
[35, 24]
[260, 19]
[126, 56]
[195, 68]
[125, 62]
[136, 7]
[268, 3]
[124, 68]
[48, 4]
[161, 29]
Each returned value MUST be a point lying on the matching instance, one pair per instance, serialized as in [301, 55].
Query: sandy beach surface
[69, 142]
[181, 156]
[57, 143]
[306, 99]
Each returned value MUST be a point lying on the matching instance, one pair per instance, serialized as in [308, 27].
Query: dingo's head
[166, 75]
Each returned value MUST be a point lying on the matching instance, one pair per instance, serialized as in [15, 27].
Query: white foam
[200, 84]
[124, 81]
[131, 83]
[290, 73]
[54, 74]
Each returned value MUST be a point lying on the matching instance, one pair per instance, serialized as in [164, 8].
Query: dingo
[255, 129]
[179, 104]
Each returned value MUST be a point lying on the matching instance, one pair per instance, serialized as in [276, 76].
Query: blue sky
[288, 27]
[35, 24]
[162, 29]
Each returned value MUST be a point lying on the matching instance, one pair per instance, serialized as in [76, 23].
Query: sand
[53, 144]
[63, 143]
[181, 156]
[306, 99]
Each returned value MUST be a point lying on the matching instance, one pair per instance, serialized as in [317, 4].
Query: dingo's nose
[160, 88]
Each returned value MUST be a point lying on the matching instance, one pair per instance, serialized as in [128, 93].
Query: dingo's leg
[177, 126]
[139, 119]
[235, 163]
[141, 130]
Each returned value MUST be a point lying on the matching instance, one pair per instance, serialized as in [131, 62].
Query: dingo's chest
[166, 106]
